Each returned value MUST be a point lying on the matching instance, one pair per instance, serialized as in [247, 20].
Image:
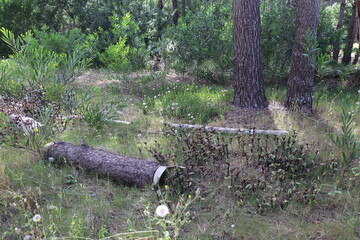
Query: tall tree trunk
[183, 7]
[175, 11]
[356, 58]
[248, 79]
[302, 69]
[338, 27]
[160, 4]
[350, 37]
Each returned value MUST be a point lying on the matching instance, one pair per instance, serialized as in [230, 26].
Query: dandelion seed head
[162, 211]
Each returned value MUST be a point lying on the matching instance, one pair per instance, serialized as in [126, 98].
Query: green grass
[189, 103]
[78, 204]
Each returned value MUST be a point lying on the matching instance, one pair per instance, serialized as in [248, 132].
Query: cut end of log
[158, 174]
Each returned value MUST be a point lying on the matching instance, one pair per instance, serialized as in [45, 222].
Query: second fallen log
[130, 171]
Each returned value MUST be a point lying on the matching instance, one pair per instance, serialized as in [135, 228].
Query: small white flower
[144, 103]
[37, 218]
[161, 121]
[162, 211]
[359, 91]
[51, 207]
[232, 225]
[17, 230]
[357, 103]
[27, 237]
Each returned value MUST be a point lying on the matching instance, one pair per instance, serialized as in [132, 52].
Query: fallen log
[129, 171]
[228, 130]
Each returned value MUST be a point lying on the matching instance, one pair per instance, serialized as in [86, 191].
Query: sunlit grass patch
[190, 103]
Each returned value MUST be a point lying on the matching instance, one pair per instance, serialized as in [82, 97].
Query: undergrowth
[190, 103]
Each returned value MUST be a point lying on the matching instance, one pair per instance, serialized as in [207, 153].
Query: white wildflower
[27, 237]
[37, 218]
[51, 207]
[162, 211]
[17, 230]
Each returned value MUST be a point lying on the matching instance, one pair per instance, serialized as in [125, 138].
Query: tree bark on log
[129, 171]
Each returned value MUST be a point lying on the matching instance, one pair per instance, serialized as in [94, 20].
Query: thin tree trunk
[175, 12]
[160, 4]
[356, 59]
[302, 70]
[350, 37]
[248, 77]
[338, 27]
[183, 7]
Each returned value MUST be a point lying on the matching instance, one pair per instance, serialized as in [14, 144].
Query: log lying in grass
[216, 129]
[130, 171]
[228, 130]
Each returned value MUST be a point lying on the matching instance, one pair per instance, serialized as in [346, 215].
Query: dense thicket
[125, 35]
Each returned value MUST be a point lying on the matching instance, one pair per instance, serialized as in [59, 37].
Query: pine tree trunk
[160, 4]
[129, 171]
[176, 12]
[350, 37]
[248, 79]
[338, 27]
[302, 70]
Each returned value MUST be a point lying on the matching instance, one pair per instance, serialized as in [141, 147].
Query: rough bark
[130, 171]
[350, 37]
[175, 12]
[248, 79]
[338, 27]
[302, 70]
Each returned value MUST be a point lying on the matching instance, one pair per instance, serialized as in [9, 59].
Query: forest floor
[77, 205]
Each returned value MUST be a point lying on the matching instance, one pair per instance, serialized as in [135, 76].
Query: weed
[346, 142]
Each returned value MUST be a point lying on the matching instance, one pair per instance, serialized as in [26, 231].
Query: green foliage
[201, 36]
[128, 53]
[347, 142]
[278, 34]
[32, 67]
[96, 113]
[192, 103]
[59, 42]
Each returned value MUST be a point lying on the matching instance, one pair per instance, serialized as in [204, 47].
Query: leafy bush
[191, 103]
[128, 53]
[33, 67]
[346, 142]
[96, 113]
[201, 36]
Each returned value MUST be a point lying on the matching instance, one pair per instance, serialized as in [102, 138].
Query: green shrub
[128, 53]
[201, 36]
